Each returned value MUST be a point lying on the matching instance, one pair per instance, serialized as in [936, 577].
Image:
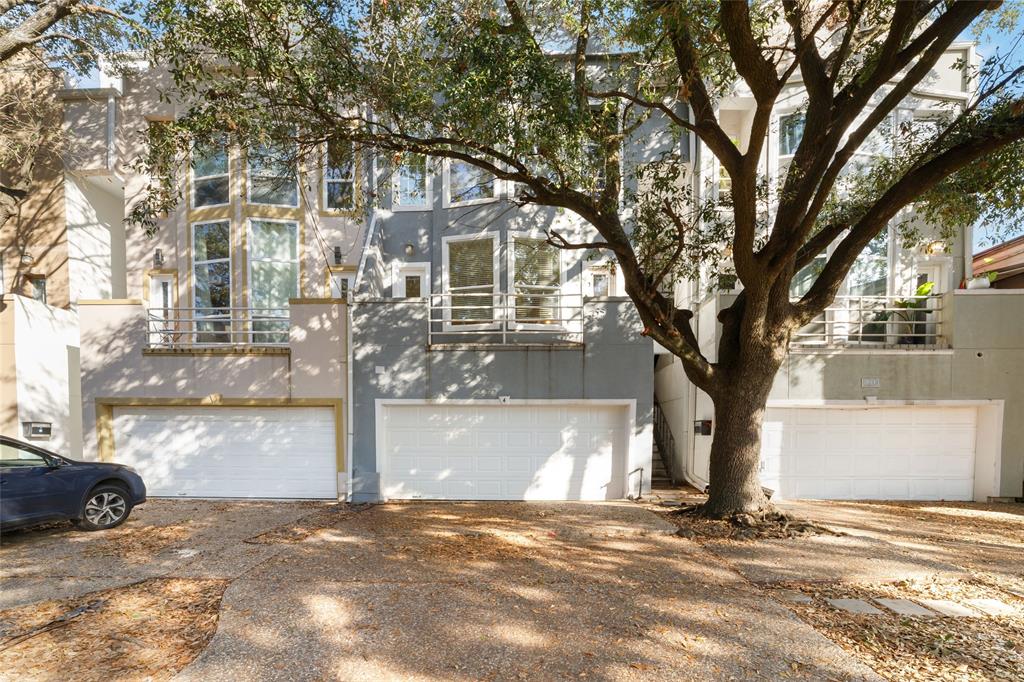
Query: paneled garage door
[892, 453]
[278, 452]
[503, 452]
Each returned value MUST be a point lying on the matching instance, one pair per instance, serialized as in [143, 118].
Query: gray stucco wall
[986, 330]
[615, 361]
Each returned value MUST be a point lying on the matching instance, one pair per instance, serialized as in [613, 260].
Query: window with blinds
[471, 280]
[536, 279]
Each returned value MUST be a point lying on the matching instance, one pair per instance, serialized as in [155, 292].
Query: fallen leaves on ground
[138, 544]
[148, 630]
[474, 545]
[921, 648]
[308, 525]
[771, 524]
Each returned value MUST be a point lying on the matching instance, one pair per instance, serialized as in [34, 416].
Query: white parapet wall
[41, 358]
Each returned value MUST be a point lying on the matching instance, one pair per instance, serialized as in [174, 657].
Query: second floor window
[468, 183]
[340, 176]
[471, 280]
[274, 277]
[272, 176]
[210, 180]
[791, 131]
[211, 280]
[536, 279]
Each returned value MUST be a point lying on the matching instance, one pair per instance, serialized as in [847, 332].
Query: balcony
[898, 322]
[195, 328]
[528, 317]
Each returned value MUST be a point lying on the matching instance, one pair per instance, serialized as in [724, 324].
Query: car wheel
[106, 506]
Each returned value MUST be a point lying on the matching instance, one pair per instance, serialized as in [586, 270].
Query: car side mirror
[54, 463]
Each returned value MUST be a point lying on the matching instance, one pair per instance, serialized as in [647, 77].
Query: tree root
[695, 521]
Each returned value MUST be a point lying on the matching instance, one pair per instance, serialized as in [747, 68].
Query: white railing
[880, 321]
[536, 315]
[173, 328]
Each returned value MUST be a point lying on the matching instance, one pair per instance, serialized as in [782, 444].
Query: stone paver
[945, 607]
[858, 606]
[793, 596]
[904, 607]
[992, 607]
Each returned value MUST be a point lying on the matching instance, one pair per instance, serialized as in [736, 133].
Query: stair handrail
[665, 441]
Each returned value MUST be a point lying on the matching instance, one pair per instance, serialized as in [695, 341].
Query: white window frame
[778, 126]
[400, 270]
[324, 181]
[192, 276]
[602, 269]
[446, 288]
[428, 204]
[194, 178]
[446, 193]
[334, 279]
[157, 311]
[557, 325]
[249, 261]
[248, 185]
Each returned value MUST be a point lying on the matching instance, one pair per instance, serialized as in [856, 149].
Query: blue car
[37, 486]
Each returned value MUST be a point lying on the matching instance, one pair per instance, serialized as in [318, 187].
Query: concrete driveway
[433, 591]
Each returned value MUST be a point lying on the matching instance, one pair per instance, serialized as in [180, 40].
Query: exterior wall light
[158, 258]
[409, 249]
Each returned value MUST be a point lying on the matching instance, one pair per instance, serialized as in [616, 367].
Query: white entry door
[275, 452]
[503, 452]
[888, 453]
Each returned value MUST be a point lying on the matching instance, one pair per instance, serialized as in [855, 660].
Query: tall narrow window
[274, 277]
[468, 183]
[210, 180]
[211, 281]
[410, 186]
[161, 318]
[471, 282]
[536, 279]
[341, 284]
[272, 176]
[791, 132]
[340, 176]
[869, 275]
[37, 284]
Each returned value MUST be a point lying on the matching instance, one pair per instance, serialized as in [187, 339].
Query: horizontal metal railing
[880, 321]
[203, 327]
[532, 315]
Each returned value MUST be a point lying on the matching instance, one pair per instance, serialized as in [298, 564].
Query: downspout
[111, 123]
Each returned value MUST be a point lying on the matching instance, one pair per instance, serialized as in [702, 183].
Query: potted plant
[982, 281]
[914, 312]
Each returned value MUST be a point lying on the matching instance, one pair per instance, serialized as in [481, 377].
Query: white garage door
[280, 452]
[503, 452]
[889, 453]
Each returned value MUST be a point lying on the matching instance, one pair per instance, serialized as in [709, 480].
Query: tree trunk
[736, 449]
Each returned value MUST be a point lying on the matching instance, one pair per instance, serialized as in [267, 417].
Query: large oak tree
[545, 93]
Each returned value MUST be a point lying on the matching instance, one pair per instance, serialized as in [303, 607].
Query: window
[341, 284]
[805, 277]
[273, 277]
[469, 184]
[161, 302]
[536, 277]
[210, 181]
[340, 176]
[869, 275]
[37, 287]
[410, 280]
[791, 131]
[602, 284]
[211, 281]
[411, 183]
[272, 176]
[13, 456]
[471, 277]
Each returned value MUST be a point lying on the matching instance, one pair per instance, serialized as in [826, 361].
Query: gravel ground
[476, 591]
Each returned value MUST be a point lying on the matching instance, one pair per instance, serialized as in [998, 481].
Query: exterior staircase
[662, 473]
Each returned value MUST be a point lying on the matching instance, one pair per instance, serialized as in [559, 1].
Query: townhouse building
[908, 387]
[362, 327]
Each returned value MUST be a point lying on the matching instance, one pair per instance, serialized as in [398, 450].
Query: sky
[990, 43]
